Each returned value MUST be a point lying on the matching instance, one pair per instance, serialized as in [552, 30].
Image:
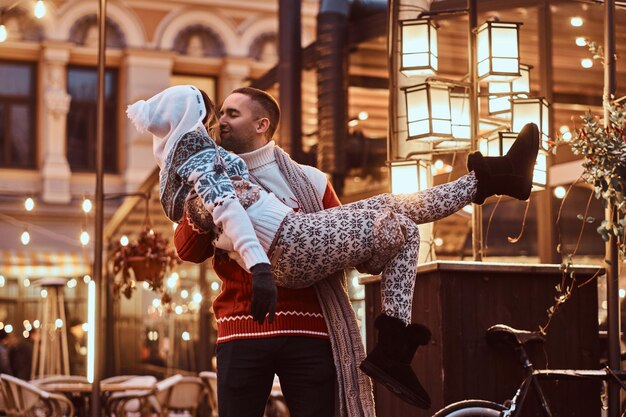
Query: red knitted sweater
[298, 312]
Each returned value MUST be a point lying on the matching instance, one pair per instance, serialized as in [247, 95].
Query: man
[296, 344]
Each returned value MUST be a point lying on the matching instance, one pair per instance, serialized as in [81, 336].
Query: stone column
[146, 74]
[56, 174]
[234, 74]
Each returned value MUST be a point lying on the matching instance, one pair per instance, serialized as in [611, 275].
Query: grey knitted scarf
[354, 389]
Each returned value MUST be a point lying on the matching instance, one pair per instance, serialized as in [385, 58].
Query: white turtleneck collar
[259, 157]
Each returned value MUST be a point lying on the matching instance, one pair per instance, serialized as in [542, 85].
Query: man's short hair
[267, 105]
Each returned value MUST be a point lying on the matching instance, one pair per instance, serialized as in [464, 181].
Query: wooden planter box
[458, 301]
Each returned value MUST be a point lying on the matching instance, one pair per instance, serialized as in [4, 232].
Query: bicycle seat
[503, 335]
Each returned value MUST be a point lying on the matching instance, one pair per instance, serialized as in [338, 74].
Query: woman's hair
[211, 121]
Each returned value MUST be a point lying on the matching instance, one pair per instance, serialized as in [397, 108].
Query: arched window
[85, 32]
[21, 26]
[199, 40]
[264, 48]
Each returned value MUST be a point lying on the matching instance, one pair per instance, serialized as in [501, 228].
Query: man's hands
[264, 293]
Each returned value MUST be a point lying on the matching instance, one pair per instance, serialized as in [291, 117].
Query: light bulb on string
[124, 240]
[3, 33]
[29, 204]
[87, 205]
[25, 237]
[84, 238]
[40, 9]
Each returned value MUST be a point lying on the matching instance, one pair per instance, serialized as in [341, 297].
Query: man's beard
[237, 144]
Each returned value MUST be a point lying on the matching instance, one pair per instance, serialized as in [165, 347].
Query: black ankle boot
[390, 361]
[511, 174]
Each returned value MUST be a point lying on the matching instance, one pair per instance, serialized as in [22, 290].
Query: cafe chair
[26, 399]
[210, 383]
[59, 379]
[179, 396]
[130, 402]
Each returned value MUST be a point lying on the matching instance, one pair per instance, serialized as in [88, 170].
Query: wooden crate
[458, 301]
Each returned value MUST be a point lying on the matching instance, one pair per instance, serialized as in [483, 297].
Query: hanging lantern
[500, 145]
[532, 110]
[419, 47]
[498, 51]
[428, 111]
[408, 176]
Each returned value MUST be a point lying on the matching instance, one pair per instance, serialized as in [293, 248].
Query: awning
[38, 264]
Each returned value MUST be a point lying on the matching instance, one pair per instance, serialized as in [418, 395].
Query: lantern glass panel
[440, 104]
[532, 110]
[540, 177]
[521, 85]
[460, 116]
[408, 177]
[417, 111]
[482, 42]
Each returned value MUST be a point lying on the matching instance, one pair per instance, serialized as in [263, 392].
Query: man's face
[238, 124]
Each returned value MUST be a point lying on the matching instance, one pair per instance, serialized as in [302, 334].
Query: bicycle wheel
[471, 408]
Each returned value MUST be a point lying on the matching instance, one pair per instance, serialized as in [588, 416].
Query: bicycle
[501, 335]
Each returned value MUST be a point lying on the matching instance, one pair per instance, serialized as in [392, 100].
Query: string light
[87, 205]
[178, 310]
[124, 240]
[72, 283]
[58, 323]
[215, 286]
[184, 294]
[84, 238]
[581, 41]
[438, 241]
[26, 282]
[586, 63]
[186, 337]
[197, 298]
[363, 115]
[2, 281]
[559, 192]
[40, 9]
[25, 238]
[87, 279]
[29, 204]
[576, 21]
[44, 293]
[8, 328]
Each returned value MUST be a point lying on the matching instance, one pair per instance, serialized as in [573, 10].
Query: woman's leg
[310, 247]
[426, 206]
[398, 277]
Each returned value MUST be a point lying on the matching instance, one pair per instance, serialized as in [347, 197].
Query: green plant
[150, 249]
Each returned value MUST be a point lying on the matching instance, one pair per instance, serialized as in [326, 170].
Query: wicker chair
[25, 399]
[130, 402]
[210, 383]
[180, 396]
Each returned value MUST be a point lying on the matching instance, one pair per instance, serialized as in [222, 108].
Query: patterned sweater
[247, 216]
[298, 311]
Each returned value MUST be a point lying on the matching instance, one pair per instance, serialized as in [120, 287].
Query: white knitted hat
[168, 116]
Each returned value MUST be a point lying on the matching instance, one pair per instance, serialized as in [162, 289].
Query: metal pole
[98, 244]
[392, 18]
[477, 212]
[290, 76]
[612, 257]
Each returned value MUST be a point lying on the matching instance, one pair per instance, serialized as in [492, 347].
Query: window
[82, 85]
[17, 115]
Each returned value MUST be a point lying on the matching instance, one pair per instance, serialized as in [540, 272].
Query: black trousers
[246, 368]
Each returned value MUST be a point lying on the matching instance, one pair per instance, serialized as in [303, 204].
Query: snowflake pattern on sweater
[197, 158]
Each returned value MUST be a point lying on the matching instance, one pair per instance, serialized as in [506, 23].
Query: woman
[380, 231]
